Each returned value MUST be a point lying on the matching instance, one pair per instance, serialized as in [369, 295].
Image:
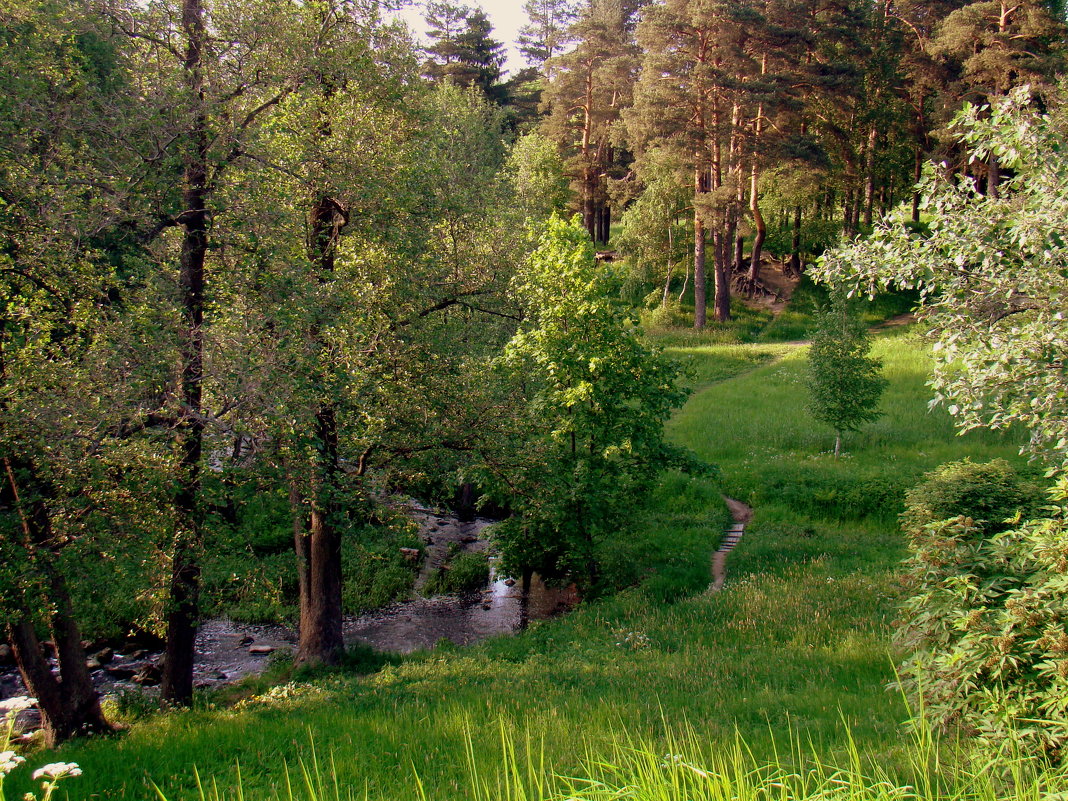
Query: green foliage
[990, 272]
[989, 494]
[845, 384]
[375, 572]
[653, 237]
[467, 572]
[537, 174]
[986, 628]
[598, 399]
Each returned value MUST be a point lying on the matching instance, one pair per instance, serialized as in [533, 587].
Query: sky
[506, 15]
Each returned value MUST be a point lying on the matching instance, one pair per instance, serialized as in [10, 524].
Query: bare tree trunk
[320, 637]
[761, 230]
[685, 280]
[993, 176]
[699, 286]
[589, 209]
[184, 591]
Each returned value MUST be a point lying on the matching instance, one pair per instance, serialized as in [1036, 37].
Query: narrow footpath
[742, 514]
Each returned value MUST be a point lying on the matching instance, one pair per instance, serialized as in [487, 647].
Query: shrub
[987, 626]
[989, 493]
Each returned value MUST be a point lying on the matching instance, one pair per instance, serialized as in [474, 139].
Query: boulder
[149, 675]
[121, 672]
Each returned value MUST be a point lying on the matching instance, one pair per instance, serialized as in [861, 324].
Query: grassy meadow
[774, 688]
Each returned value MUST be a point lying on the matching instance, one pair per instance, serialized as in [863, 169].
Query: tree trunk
[699, 285]
[869, 176]
[993, 176]
[761, 230]
[604, 223]
[69, 705]
[722, 305]
[837, 443]
[589, 209]
[685, 280]
[700, 302]
[320, 637]
[795, 243]
[183, 603]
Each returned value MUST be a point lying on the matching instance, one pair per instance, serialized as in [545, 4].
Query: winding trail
[742, 514]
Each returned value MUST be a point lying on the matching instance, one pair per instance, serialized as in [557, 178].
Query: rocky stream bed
[227, 651]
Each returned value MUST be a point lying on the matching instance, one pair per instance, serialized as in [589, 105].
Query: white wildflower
[18, 703]
[9, 760]
[57, 770]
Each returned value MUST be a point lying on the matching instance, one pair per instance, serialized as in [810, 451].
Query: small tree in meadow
[845, 383]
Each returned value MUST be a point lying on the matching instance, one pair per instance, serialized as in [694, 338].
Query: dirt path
[742, 514]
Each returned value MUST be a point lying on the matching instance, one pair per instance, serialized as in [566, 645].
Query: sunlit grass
[594, 705]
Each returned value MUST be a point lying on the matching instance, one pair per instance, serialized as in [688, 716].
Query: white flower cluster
[19, 703]
[635, 640]
[9, 760]
[54, 771]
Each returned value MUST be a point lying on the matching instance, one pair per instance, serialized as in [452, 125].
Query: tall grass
[685, 766]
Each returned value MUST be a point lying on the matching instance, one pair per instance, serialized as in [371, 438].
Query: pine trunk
[795, 244]
[700, 302]
[869, 176]
[722, 305]
[699, 285]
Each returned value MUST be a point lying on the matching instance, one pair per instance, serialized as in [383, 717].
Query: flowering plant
[9, 760]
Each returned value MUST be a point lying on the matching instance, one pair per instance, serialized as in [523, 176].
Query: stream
[227, 651]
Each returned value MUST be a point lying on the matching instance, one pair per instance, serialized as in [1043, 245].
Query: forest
[305, 320]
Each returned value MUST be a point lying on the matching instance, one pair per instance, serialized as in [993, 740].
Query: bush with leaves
[990, 493]
[988, 629]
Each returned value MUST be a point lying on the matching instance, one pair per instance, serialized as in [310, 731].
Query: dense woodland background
[265, 264]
